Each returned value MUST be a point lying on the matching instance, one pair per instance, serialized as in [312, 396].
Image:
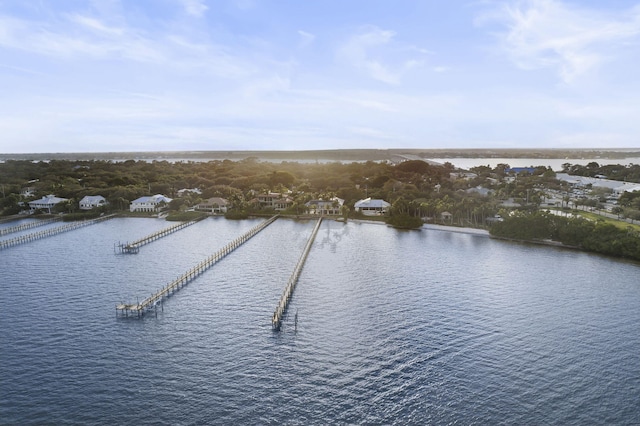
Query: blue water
[393, 328]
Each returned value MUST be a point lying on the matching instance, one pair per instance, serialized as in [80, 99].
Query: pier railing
[29, 225]
[281, 309]
[138, 309]
[134, 247]
[50, 232]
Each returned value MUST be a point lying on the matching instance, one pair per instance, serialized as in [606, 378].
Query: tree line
[417, 191]
[594, 236]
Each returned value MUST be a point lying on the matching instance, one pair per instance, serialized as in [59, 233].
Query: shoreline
[459, 230]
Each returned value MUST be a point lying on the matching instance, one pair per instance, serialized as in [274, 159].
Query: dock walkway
[50, 232]
[134, 247]
[29, 225]
[138, 309]
[281, 309]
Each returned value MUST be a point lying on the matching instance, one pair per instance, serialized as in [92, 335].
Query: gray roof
[372, 204]
[48, 200]
[158, 198]
[615, 185]
[92, 199]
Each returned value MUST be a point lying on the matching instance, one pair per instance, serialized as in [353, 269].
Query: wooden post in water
[281, 309]
[196, 271]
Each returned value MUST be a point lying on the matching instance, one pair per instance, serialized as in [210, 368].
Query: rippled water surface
[393, 328]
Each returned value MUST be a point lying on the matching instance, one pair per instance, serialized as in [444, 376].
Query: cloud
[306, 38]
[195, 8]
[441, 69]
[96, 25]
[357, 52]
[85, 36]
[373, 50]
[552, 34]
[76, 37]
[244, 4]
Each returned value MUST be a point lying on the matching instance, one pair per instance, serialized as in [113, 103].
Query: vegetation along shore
[593, 207]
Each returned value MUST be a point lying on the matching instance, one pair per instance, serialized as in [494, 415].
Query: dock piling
[134, 247]
[278, 314]
[182, 280]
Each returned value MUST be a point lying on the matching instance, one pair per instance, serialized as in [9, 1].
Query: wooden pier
[29, 225]
[151, 303]
[50, 232]
[281, 309]
[134, 247]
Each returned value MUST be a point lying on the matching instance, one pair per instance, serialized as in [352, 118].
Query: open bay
[394, 328]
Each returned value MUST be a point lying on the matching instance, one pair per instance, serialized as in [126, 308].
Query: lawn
[618, 223]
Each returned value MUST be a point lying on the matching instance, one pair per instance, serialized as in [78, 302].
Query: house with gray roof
[372, 207]
[273, 200]
[45, 203]
[151, 203]
[89, 202]
[213, 205]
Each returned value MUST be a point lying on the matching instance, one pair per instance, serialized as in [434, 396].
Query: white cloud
[195, 8]
[84, 37]
[440, 69]
[75, 37]
[306, 38]
[374, 51]
[244, 4]
[96, 25]
[552, 34]
[266, 86]
[357, 51]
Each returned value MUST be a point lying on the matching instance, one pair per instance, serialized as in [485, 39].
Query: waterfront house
[45, 203]
[213, 205]
[89, 202]
[273, 200]
[332, 206]
[372, 207]
[151, 203]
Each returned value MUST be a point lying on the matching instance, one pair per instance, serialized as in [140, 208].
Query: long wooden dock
[139, 308]
[50, 232]
[29, 225]
[281, 309]
[134, 247]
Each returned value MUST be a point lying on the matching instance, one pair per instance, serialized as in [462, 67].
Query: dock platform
[29, 225]
[134, 247]
[50, 232]
[138, 309]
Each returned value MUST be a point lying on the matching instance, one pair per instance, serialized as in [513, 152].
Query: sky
[168, 75]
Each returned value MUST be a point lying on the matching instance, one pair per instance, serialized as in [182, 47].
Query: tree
[281, 178]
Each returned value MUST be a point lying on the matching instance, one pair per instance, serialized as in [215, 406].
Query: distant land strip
[332, 154]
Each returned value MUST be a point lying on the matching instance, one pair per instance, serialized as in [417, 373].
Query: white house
[274, 201]
[89, 202]
[149, 204]
[213, 205]
[331, 206]
[371, 207]
[45, 203]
